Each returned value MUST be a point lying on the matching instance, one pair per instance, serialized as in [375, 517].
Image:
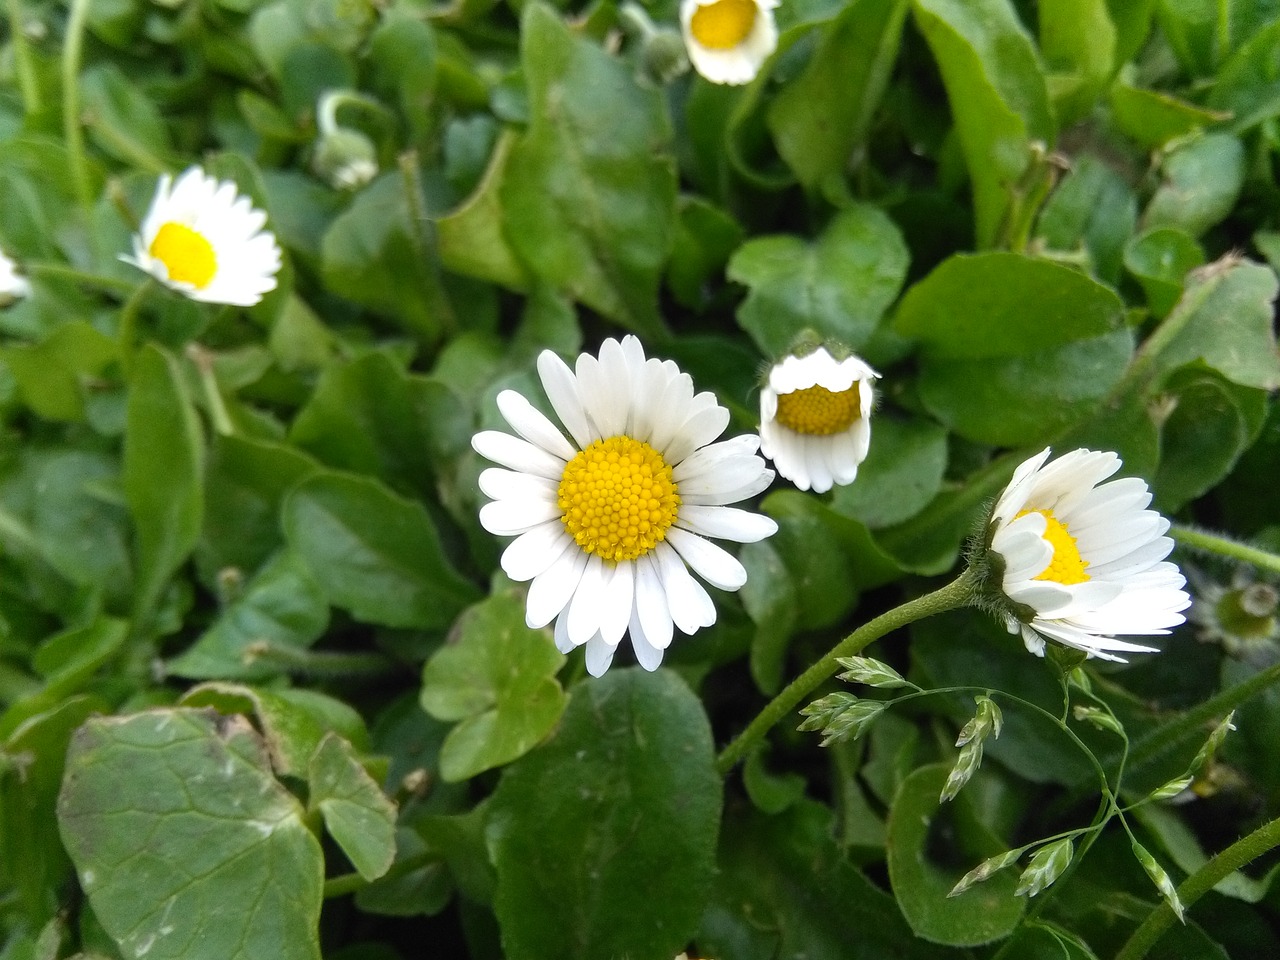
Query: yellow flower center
[819, 411]
[186, 254]
[617, 498]
[1067, 566]
[724, 24]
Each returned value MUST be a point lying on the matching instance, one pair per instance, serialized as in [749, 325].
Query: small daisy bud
[345, 159]
[661, 56]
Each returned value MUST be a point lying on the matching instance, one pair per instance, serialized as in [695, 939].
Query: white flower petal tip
[615, 506]
[1083, 560]
[12, 285]
[204, 240]
[815, 418]
[728, 41]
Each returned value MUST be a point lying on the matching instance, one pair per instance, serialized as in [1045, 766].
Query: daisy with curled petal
[204, 240]
[728, 41]
[12, 286]
[1083, 561]
[609, 519]
[815, 418]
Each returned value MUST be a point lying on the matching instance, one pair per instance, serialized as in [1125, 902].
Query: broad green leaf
[375, 254]
[770, 792]
[997, 92]
[976, 306]
[1200, 184]
[1193, 30]
[985, 912]
[228, 866]
[785, 889]
[424, 890]
[1094, 208]
[163, 474]
[824, 114]
[68, 659]
[292, 721]
[356, 812]
[1024, 400]
[569, 892]
[375, 554]
[1161, 259]
[282, 606]
[839, 284]
[402, 56]
[705, 238]
[592, 209]
[1153, 117]
[123, 121]
[769, 597]
[902, 473]
[498, 680]
[1248, 86]
[1078, 41]
[370, 416]
[52, 375]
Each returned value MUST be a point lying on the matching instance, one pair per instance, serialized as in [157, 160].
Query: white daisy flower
[815, 418]
[204, 240]
[12, 286]
[608, 519]
[729, 40]
[1084, 560]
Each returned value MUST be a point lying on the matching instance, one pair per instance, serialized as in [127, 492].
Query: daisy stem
[127, 329]
[958, 593]
[26, 70]
[203, 360]
[73, 131]
[1149, 932]
[1213, 543]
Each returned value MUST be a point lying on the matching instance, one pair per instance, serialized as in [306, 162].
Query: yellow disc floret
[819, 411]
[724, 24]
[1067, 566]
[617, 498]
[186, 254]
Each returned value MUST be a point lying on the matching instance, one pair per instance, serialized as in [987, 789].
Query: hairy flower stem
[958, 593]
[1159, 920]
[1205, 542]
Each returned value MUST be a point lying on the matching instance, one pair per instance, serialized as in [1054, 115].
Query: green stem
[73, 46]
[319, 663]
[343, 884]
[127, 331]
[1207, 542]
[1249, 848]
[203, 361]
[60, 271]
[422, 236]
[27, 81]
[958, 593]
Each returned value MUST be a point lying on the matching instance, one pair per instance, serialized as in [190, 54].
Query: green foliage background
[264, 693]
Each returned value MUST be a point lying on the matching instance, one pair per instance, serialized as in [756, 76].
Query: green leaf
[228, 866]
[705, 238]
[978, 306]
[498, 679]
[770, 792]
[281, 606]
[1161, 259]
[123, 120]
[902, 473]
[592, 209]
[1248, 86]
[1200, 184]
[1024, 400]
[769, 597]
[820, 118]
[1078, 41]
[370, 416]
[356, 812]
[68, 659]
[1154, 117]
[163, 470]
[1095, 208]
[569, 893]
[838, 284]
[52, 375]
[997, 92]
[375, 554]
[983, 913]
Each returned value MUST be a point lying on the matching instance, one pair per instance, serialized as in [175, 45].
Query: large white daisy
[12, 286]
[815, 418]
[203, 239]
[609, 519]
[728, 40]
[1084, 561]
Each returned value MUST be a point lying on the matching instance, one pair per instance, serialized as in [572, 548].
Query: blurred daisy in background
[815, 415]
[203, 239]
[1242, 616]
[12, 286]
[1083, 561]
[728, 41]
[609, 519]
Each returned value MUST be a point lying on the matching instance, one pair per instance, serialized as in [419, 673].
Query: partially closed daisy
[12, 286]
[729, 40]
[815, 418]
[1084, 561]
[609, 519]
[203, 239]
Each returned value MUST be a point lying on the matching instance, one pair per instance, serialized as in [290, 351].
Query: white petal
[551, 590]
[599, 656]
[530, 423]
[712, 563]
[562, 390]
[604, 399]
[536, 551]
[651, 609]
[587, 606]
[648, 654]
[619, 595]
[519, 455]
[563, 643]
[707, 422]
[708, 458]
[690, 605]
[726, 523]
[499, 484]
[509, 517]
[1014, 497]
